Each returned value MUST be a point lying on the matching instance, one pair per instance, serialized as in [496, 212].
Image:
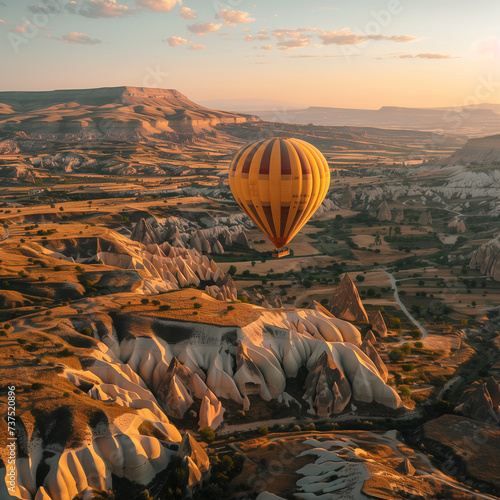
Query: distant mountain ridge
[472, 121]
[118, 113]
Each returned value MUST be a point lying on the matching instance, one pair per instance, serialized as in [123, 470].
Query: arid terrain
[158, 350]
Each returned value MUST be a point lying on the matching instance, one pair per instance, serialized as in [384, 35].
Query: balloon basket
[281, 252]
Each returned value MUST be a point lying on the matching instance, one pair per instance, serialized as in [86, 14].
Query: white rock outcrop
[487, 259]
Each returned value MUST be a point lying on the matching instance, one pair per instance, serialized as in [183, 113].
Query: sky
[351, 53]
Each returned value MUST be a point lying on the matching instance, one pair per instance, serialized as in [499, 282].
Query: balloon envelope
[279, 183]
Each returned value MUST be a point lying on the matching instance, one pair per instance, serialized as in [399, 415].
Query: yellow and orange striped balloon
[279, 183]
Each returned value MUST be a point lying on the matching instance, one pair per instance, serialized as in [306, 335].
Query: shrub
[21, 341]
[396, 355]
[406, 348]
[64, 353]
[156, 302]
[416, 334]
[208, 434]
[405, 391]
[442, 406]
[360, 278]
[36, 386]
[145, 495]
[310, 427]
[164, 307]
[197, 305]
[408, 367]
[144, 301]
[263, 431]
[232, 270]
[296, 428]
[66, 395]
[230, 308]
[87, 331]
[394, 322]
[418, 345]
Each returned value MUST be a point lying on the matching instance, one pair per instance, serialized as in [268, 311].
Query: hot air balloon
[279, 183]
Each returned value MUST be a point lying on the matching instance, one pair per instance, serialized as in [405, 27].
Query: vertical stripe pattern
[279, 183]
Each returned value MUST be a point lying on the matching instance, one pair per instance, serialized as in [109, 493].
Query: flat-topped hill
[110, 112]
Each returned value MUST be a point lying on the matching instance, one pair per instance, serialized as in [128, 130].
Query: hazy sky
[316, 52]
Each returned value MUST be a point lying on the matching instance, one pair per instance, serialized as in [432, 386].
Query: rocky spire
[378, 324]
[371, 337]
[372, 353]
[406, 468]
[326, 387]
[144, 233]
[425, 218]
[346, 303]
[347, 197]
[384, 213]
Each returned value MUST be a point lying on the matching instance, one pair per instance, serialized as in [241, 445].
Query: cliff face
[487, 259]
[483, 151]
[119, 113]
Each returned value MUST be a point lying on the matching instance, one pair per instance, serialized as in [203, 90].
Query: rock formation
[457, 226]
[482, 151]
[479, 405]
[371, 337]
[186, 234]
[406, 468]
[138, 367]
[327, 206]
[493, 388]
[378, 324]
[347, 197]
[371, 352]
[197, 462]
[425, 218]
[116, 113]
[487, 259]
[173, 393]
[384, 212]
[241, 240]
[248, 377]
[346, 303]
[144, 233]
[399, 215]
[160, 267]
[327, 389]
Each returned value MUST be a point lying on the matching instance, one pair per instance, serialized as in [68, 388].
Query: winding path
[403, 307]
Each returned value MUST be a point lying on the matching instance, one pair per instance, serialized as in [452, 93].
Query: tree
[232, 270]
[396, 355]
[360, 278]
[208, 434]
